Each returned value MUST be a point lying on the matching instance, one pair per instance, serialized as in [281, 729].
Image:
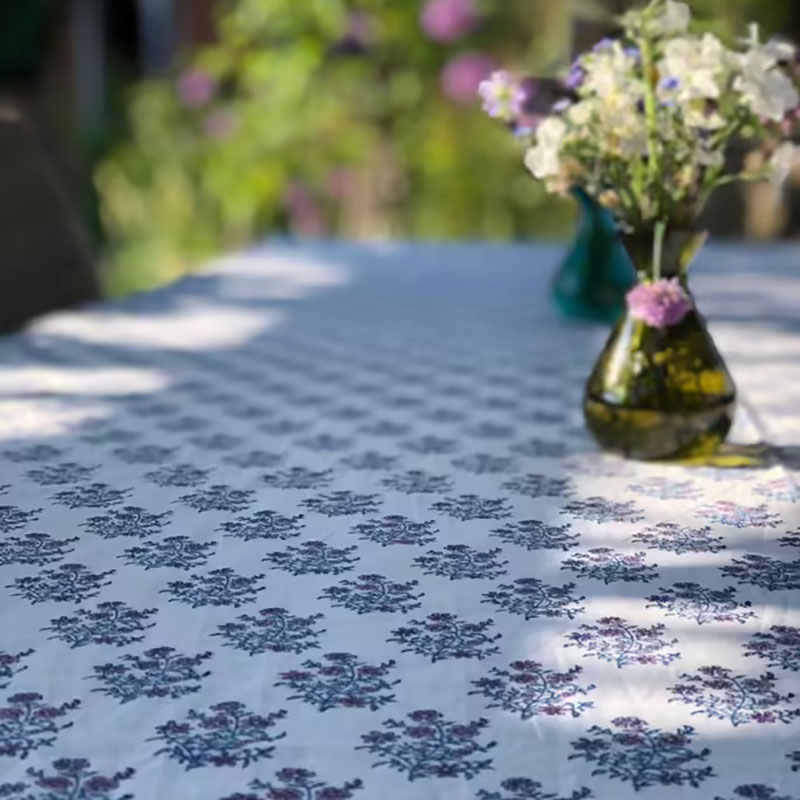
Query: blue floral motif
[218, 498]
[73, 780]
[609, 566]
[144, 454]
[263, 525]
[780, 645]
[274, 630]
[443, 415]
[314, 557]
[298, 478]
[254, 459]
[347, 413]
[470, 506]
[675, 538]
[183, 424]
[284, 427]
[784, 490]
[37, 549]
[301, 784]
[9, 666]
[457, 561]
[666, 489]
[396, 529]
[158, 672]
[178, 552]
[220, 587]
[68, 583]
[539, 448]
[110, 623]
[642, 755]
[533, 534]
[623, 643]
[28, 723]
[34, 452]
[598, 509]
[429, 746]
[484, 464]
[324, 442]
[341, 680]
[430, 445]
[216, 441]
[757, 791]
[59, 474]
[720, 694]
[791, 539]
[528, 789]
[532, 598]
[724, 512]
[370, 460]
[534, 485]
[14, 519]
[528, 689]
[109, 436]
[490, 430]
[703, 605]
[178, 475]
[768, 573]
[442, 636]
[339, 504]
[127, 521]
[227, 735]
[795, 757]
[94, 495]
[418, 482]
[373, 593]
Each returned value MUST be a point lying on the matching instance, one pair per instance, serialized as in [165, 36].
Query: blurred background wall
[155, 133]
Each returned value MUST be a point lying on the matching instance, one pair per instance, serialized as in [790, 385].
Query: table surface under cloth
[322, 522]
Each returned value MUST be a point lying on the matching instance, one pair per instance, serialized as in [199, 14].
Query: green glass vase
[592, 280]
[661, 392]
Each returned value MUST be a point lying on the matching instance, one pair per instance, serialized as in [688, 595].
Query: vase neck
[678, 250]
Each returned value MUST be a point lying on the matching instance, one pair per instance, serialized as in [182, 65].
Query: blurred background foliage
[353, 118]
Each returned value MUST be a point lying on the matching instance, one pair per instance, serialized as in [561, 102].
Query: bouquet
[642, 123]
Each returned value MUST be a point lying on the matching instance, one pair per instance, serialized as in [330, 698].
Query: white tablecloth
[323, 522]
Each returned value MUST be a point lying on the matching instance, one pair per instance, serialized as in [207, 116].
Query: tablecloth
[323, 522]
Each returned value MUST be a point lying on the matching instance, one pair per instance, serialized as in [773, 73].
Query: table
[322, 522]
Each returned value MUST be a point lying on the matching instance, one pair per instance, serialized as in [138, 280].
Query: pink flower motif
[196, 87]
[462, 76]
[659, 304]
[448, 20]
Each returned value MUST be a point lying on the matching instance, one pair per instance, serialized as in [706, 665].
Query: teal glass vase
[593, 279]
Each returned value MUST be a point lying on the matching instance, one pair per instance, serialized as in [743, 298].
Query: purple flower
[576, 75]
[503, 97]
[196, 87]
[659, 304]
[448, 20]
[463, 75]
[220, 124]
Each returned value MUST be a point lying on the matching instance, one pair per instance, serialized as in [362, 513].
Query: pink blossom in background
[462, 76]
[196, 87]
[659, 304]
[448, 20]
[341, 182]
[220, 124]
[305, 215]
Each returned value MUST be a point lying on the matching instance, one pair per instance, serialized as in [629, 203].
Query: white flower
[609, 75]
[780, 50]
[693, 69]
[783, 161]
[767, 91]
[581, 113]
[675, 19]
[543, 160]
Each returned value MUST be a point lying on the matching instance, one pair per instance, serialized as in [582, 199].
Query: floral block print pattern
[599, 509]
[292, 783]
[27, 723]
[720, 694]
[396, 529]
[273, 630]
[371, 593]
[263, 525]
[528, 689]
[37, 549]
[768, 573]
[779, 646]
[531, 598]
[219, 587]
[69, 583]
[679, 539]
[703, 605]
[529, 789]
[633, 752]
[457, 561]
[724, 512]
[10, 665]
[70, 779]
[112, 623]
[227, 735]
[341, 680]
[665, 489]
[426, 745]
[441, 635]
[533, 534]
[607, 565]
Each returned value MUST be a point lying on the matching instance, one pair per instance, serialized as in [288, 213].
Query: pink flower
[220, 124]
[659, 304]
[448, 20]
[463, 74]
[196, 87]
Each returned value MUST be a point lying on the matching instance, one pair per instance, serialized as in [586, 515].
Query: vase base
[648, 435]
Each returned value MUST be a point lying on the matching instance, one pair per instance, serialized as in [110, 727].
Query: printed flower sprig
[642, 123]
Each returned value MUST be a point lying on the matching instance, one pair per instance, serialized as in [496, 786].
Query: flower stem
[658, 248]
